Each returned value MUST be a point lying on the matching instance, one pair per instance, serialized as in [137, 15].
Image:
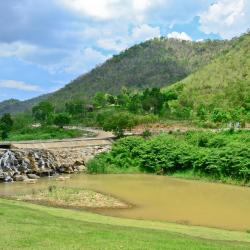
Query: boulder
[20, 177]
[8, 179]
[33, 176]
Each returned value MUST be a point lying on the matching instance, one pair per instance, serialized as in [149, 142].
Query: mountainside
[224, 83]
[155, 63]
[5, 106]
[16, 106]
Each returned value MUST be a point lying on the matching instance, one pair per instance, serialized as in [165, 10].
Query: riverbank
[222, 156]
[29, 227]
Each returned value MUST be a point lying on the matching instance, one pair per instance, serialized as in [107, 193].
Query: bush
[218, 155]
[97, 165]
[116, 122]
[61, 120]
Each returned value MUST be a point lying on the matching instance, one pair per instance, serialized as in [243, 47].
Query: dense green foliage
[116, 122]
[222, 155]
[43, 112]
[155, 63]
[61, 120]
[220, 91]
[6, 124]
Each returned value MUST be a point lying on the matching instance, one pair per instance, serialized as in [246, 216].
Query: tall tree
[6, 124]
[43, 112]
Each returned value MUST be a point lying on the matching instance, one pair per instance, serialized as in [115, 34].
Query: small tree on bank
[43, 112]
[116, 122]
[6, 124]
[61, 120]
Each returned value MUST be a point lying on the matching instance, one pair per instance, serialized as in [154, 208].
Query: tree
[153, 100]
[135, 105]
[100, 100]
[76, 107]
[6, 124]
[111, 99]
[116, 122]
[43, 112]
[61, 120]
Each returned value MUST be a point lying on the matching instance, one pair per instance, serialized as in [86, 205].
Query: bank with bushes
[223, 156]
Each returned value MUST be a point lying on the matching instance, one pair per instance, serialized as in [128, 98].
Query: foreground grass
[44, 133]
[28, 226]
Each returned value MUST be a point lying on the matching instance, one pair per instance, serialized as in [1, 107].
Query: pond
[162, 198]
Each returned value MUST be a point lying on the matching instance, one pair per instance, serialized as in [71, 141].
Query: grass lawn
[44, 133]
[29, 226]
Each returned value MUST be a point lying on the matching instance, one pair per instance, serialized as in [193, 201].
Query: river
[161, 198]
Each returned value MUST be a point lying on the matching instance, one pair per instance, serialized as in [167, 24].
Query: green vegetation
[6, 124]
[44, 133]
[61, 120]
[223, 156]
[43, 112]
[116, 122]
[220, 91]
[30, 227]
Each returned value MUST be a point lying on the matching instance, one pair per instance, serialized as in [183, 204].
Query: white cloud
[227, 18]
[138, 34]
[82, 61]
[179, 36]
[114, 44]
[16, 49]
[12, 84]
[145, 32]
[110, 9]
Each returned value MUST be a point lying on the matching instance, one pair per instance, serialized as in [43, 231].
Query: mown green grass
[44, 133]
[29, 226]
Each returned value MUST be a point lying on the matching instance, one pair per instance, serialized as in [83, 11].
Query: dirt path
[101, 138]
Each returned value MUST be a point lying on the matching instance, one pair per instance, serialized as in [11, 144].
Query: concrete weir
[20, 160]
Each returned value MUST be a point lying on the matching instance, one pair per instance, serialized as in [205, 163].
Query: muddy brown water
[162, 198]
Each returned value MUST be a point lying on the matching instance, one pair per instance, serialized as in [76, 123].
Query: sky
[45, 44]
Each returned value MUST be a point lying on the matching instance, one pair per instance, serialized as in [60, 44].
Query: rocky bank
[25, 164]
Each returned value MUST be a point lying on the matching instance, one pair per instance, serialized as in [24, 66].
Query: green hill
[224, 83]
[155, 63]
[16, 106]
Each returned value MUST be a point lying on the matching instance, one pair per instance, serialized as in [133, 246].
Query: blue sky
[44, 44]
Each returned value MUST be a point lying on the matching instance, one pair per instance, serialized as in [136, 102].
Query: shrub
[219, 155]
[61, 120]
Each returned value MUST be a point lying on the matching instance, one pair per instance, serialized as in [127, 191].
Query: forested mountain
[155, 63]
[16, 106]
[224, 83]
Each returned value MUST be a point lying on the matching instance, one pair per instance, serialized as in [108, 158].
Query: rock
[81, 168]
[8, 179]
[30, 181]
[33, 176]
[20, 177]
[79, 163]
